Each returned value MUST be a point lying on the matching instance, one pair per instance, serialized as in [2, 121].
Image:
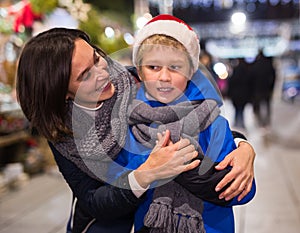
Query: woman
[76, 96]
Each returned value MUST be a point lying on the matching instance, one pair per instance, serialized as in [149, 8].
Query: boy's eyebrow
[155, 61]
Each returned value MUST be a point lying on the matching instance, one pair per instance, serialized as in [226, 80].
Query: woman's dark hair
[43, 74]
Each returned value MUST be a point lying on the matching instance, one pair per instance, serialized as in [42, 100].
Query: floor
[276, 205]
[42, 204]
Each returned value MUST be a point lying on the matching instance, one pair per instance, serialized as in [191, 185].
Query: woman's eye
[86, 76]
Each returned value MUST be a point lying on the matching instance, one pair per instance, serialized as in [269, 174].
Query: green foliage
[92, 26]
[119, 14]
[123, 8]
[112, 45]
[42, 6]
[6, 26]
[117, 11]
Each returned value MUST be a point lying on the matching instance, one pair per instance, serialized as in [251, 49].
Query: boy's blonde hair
[176, 28]
[159, 39]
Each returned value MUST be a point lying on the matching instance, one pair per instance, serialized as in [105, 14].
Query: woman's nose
[99, 71]
[165, 75]
[101, 74]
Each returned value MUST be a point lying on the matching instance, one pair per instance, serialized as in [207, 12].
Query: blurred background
[249, 48]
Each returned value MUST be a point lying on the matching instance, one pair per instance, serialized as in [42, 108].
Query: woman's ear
[68, 97]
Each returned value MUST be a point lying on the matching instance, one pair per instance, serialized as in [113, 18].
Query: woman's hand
[167, 160]
[242, 173]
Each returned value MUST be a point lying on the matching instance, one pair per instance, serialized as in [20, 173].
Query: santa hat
[173, 27]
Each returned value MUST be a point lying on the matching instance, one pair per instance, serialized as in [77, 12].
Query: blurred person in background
[263, 75]
[205, 65]
[75, 96]
[205, 61]
[240, 91]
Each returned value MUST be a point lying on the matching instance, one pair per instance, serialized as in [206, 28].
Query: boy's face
[165, 72]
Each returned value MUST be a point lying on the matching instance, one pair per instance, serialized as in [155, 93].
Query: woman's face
[165, 72]
[89, 82]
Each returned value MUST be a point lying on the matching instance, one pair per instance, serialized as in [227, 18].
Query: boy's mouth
[165, 89]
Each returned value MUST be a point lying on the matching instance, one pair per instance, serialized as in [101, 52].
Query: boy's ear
[191, 73]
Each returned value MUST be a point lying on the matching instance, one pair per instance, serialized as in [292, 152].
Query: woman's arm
[217, 143]
[106, 201]
[91, 193]
[241, 160]
[242, 173]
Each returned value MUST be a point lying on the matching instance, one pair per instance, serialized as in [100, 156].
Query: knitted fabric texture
[178, 211]
[185, 119]
[96, 141]
[173, 208]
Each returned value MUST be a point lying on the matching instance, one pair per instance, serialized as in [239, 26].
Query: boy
[176, 96]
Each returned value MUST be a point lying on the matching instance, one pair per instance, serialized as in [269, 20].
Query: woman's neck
[88, 110]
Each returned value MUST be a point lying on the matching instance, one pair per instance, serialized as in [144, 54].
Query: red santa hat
[171, 26]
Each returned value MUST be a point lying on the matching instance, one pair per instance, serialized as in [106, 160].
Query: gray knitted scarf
[173, 208]
[98, 139]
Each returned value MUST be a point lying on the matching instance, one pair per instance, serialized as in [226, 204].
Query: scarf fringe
[161, 218]
[159, 214]
[189, 222]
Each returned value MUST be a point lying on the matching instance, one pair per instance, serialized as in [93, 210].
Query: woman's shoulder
[133, 71]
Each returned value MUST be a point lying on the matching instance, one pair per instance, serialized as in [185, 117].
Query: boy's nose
[165, 74]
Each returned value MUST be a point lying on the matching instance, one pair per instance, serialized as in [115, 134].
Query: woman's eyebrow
[97, 56]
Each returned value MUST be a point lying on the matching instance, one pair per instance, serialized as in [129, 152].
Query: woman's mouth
[104, 87]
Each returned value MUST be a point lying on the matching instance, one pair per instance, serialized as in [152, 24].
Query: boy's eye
[174, 67]
[153, 67]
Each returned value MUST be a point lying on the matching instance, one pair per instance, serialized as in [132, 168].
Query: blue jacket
[216, 142]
